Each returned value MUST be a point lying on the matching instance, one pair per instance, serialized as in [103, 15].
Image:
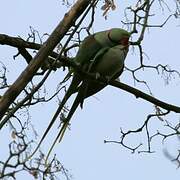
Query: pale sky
[82, 150]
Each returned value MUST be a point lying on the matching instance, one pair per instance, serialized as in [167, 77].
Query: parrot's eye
[124, 41]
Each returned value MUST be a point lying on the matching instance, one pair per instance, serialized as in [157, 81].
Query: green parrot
[108, 63]
[102, 53]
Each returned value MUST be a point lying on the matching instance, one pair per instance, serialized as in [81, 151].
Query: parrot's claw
[108, 79]
[118, 79]
[78, 64]
[97, 75]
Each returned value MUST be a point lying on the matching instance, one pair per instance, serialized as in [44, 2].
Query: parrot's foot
[108, 79]
[97, 75]
[78, 64]
[118, 79]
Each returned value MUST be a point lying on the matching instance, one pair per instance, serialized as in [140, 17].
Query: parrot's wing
[96, 59]
[116, 76]
[120, 71]
[85, 83]
[86, 53]
[87, 50]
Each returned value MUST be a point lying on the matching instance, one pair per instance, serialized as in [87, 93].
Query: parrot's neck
[122, 47]
[103, 39]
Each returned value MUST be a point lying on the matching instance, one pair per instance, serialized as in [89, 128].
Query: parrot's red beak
[125, 41]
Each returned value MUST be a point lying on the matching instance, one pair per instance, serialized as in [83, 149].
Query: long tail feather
[72, 89]
[65, 125]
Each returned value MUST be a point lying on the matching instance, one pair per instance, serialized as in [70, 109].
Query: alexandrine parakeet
[102, 53]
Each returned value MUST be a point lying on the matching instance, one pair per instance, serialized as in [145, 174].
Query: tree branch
[130, 89]
[21, 44]
[18, 42]
[140, 94]
[16, 88]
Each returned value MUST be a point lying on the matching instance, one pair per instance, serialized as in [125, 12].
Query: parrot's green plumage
[102, 53]
[109, 64]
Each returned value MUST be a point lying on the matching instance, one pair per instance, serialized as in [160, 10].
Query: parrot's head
[119, 36]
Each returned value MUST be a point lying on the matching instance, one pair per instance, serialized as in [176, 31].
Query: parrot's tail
[72, 89]
[50, 124]
[65, 124]
[68, 76]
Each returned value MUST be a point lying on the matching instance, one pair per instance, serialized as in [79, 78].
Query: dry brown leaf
[13, 134]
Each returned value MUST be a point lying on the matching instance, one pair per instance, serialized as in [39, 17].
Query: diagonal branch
[130, 89]
[16, 88]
